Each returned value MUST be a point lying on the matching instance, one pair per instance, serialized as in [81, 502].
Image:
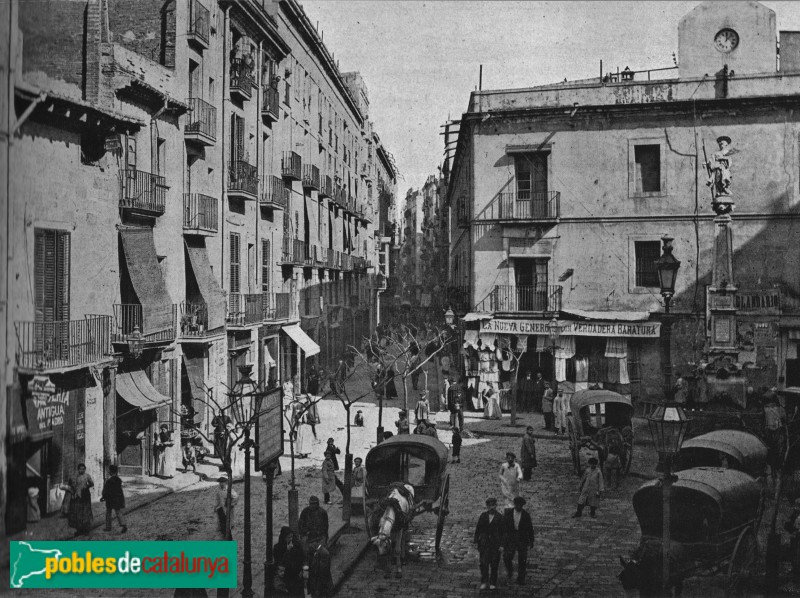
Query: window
[531, 174]
[237, 138]
[161, 157]
[194, 79]
[235, 263]
[647, 159]
[211, 90]
[647, 252]
[51, 274]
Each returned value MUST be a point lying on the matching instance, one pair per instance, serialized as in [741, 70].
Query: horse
[398, 510]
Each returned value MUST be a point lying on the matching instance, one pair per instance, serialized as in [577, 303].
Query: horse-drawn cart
[405, 475]
[713, 527]
[598, 420]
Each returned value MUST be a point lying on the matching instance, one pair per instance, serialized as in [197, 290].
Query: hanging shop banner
[45, 406]
[571, 328]
[269, 429]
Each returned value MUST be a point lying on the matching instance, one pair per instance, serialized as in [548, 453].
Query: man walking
[312, 526]
[526, 392]
[320, 581]
[527, 454]
[488, 534]
[114, 499]
[538, 391]
[517, 538]
[560, 409]
[547, 406]
[455, 404]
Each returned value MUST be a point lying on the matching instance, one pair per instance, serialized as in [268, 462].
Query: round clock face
[726, 40]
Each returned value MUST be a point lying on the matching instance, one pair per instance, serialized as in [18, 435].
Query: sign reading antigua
[123, 564]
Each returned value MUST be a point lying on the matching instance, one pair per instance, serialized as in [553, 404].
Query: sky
[420, 60]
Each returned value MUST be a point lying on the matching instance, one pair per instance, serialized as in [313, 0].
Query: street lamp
[554, 330]
[668, 424]
[449, 317]
[246, 397]
[667, 266]
[135, 342]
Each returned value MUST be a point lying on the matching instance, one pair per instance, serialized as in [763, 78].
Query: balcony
[522, 207]
[279, 306]
[245, 309]
[199, 24]
[347, 262]
[326, 187]
[194, 322]
[292, 166]
[509, 299]
[62, 345]
[199, 214]
[242, 180]
[295, 253]
[143, 193]
[201, 124]
[462, 216]
[242, 79]
[320, 256]
[150, 321]
[366, 172]
[333, 262]
[275, 194]
[310, 177]
[458, 297]
[271, 105]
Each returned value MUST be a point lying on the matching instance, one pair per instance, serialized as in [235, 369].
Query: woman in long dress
[510, 475]
[491, 407]
[303, 442]
[80, 506]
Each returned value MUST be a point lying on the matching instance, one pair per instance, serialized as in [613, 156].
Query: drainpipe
[154, 135]
[225, 94]
[259, 100]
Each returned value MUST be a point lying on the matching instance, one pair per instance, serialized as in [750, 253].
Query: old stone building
[560, 195]
[193, 186]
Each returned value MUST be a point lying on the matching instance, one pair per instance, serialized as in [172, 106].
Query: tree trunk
[348, 471]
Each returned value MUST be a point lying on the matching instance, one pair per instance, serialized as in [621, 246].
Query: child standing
[402, 423]
[359, 419]
[613, 465]
[590, 489]
[114, 498]
[456, 446]
[189, 458]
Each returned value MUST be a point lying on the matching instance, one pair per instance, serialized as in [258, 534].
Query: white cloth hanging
[561, 369]
[541, 345]
[623, 372]
[582, 370]
[522, 343]
[617, 347]
[566, 347]
[471, 339]
[488, 339]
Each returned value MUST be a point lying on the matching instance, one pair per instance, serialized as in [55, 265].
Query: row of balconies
[510, 208]
[299, 253]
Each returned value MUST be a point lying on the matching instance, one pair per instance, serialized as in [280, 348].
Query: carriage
[417, 462]
[599, 419]
[734, 449]
[714, 516]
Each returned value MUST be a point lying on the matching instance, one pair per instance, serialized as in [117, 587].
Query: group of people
[77, 503]
[422, 416]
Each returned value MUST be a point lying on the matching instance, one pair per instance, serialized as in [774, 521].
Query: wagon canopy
[704, 502]
[417, 459]
[746, 450]
[584, 398]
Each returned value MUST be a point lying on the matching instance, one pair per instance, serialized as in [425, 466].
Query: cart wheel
[627, 449]
[444, 507]
[574, 446]
[742, 562]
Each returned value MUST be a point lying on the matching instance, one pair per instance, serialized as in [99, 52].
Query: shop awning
[136, 389]
[614, 316]
[141, 260]
[302, 340]
[207, 284]
[476, 316]
[195, 371]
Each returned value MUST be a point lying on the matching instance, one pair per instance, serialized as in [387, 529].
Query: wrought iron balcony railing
[523, 206]
[242, 79]
[296, 252]
[156, 326]
[245, 309]
[143, 193]
[278, 306]
[199, 23]
[201, 124]
[243, 180]
[275, 193]
[194, 321]
[510, 298]
[310, 176]
[199, 214]
[64, 343]
[292, 166]
[326, 187]
[271, 105]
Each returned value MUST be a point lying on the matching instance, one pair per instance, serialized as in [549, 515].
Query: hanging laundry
[617, 347]
[582, 369]
[522, 343]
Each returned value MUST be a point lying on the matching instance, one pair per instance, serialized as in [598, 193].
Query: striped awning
[207, 283]
[144, 272]
[136, 389]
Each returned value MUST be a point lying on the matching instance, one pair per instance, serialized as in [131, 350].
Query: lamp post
[554, 330]
[668, 424]
[667, 266]
[246, 397]
[135, 342]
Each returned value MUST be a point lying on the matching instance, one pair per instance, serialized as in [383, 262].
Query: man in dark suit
[488, 535]
[517, 537]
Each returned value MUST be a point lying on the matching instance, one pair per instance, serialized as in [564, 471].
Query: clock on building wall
[726, 40]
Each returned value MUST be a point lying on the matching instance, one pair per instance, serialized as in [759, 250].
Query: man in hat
[359, 419]
[547, 406]
[312, 526]
[510, 476]
[488, 535]
[163, 441]
[590, 489]
[538, 391]
[455, 403]
[402, 424]
[518, 538]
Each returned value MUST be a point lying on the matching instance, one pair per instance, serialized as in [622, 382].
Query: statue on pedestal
[719, 175]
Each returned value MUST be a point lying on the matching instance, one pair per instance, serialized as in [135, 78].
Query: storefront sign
[46, 406]
[572, 328]
[269, 429]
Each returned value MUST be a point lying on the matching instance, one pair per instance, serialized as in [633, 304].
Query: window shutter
[62, 244]
[266, 258]
[237, 138]
[234, 263]
[39, 273]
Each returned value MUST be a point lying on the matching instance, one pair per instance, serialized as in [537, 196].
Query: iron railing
[462, 215]
[523, 206]
[128, 316]
[276, 193]
[245, 309]
[295, 252]
[310, 176]
[510, 298]
[347, 262]
[243, 178]
[277, 306]
[64, 343]
[242, 79]
[199, 22]
[194, 320]
[270, 108]
[326, 187]
[200, 213]
[202, 119]
[143, 192]
[292, 166]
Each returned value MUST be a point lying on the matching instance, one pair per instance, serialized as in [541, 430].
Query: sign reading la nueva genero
[571, 328]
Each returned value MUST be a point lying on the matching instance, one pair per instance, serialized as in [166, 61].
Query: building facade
[559, 197]
[193, 187]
